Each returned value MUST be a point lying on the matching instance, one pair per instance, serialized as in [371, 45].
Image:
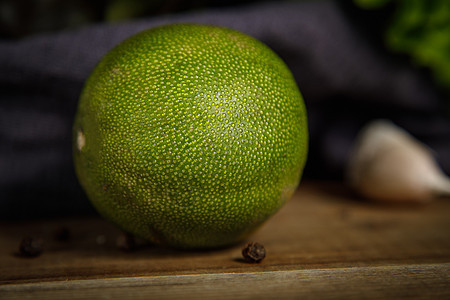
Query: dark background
[337, 52]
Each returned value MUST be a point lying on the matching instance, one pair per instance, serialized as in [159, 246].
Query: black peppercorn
[254, 252]
[126, 242]
[62, 234]
[30, 247]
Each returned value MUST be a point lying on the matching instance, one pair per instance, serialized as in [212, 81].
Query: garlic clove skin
[388, 164]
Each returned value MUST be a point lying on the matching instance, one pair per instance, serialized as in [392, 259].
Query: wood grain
[324, 235]
[386, 282]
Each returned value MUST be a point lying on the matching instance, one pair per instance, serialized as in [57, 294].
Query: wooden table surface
[325, 243]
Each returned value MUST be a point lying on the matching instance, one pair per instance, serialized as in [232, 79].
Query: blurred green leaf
[371, 4]
[420, 29]
[118, 10]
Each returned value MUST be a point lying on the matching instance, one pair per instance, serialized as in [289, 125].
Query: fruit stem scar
[81, 139]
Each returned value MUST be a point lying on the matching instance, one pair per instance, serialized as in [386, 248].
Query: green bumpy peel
[190, 135]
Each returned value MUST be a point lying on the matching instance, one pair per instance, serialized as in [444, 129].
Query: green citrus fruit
[190, 135]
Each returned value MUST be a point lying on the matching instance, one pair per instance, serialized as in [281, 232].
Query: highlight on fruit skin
[390, 165]
[190, 136]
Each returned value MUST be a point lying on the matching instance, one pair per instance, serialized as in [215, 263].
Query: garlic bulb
[388, 164]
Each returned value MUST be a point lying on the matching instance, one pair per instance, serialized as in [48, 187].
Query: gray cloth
[344, 81]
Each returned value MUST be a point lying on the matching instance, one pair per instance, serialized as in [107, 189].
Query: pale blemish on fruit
[81, 139]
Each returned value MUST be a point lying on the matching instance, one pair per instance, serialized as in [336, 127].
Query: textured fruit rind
[191, 135]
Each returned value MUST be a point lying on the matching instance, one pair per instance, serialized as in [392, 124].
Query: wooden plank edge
[378, 282]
